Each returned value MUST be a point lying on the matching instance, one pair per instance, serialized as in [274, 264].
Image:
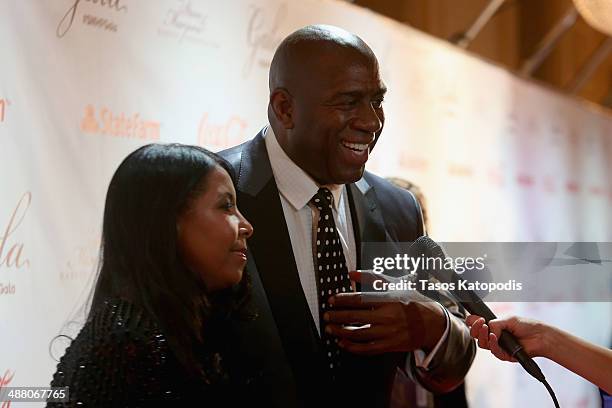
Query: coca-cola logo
[69, 17]
[219, 134]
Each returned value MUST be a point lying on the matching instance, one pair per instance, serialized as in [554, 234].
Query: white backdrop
[83, 83]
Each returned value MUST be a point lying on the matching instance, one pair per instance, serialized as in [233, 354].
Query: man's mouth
[356, 147]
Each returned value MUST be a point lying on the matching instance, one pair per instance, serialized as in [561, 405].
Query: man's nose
[367, 119]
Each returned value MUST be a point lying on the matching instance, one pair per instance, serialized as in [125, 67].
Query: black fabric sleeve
[118, 359]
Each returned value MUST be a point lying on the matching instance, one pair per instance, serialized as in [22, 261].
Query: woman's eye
[228, 205]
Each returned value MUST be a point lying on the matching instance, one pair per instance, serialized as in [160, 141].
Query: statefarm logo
[90, 19]
[263, 36]
[184, 22]
[220, 134]
[4, 381]
[109, 123]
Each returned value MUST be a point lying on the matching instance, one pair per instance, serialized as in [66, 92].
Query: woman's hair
[139, 259]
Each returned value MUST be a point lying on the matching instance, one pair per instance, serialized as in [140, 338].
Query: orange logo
[118, 125]
[221, 135]
[13, 257]
[413, 162]
[3, 105]
[6, 380]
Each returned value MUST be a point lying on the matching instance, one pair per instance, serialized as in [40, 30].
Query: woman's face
[212, 233]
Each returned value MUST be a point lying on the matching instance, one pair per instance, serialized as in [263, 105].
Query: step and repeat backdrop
[85, 82]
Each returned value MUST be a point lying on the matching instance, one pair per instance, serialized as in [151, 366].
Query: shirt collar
[294, 183]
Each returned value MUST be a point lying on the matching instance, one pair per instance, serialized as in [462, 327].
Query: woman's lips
[242, 253]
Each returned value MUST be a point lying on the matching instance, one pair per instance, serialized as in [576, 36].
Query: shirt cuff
[423, 361]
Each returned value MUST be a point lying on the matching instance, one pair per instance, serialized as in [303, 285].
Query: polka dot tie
[330, 270]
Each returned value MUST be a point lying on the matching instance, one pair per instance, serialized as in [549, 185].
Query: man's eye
[377, 104]
[348, 103]
[228, 205]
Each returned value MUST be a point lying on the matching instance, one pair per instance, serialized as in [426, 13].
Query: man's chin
[349, 177]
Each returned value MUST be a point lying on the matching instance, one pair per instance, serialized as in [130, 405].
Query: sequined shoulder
[119, 358]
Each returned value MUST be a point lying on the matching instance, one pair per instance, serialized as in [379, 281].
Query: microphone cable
[551, 392]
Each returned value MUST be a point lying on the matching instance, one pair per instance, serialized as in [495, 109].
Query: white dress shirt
[296, 188]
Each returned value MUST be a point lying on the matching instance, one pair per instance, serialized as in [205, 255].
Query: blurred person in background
[416, 191]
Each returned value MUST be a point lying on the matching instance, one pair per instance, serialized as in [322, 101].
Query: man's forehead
[338, 52]
[350, 76]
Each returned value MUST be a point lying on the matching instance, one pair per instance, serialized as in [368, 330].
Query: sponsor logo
[4, 381]
[184, 22]
[597, 191]
[219, 135]
[109, 123]
[7, 288]
[69, 17]
[572, 187]
[549, 184]
[4, 103]
[460, 170]
[12, 250]
[263, 36]
[84, 259]
[525, 180]
[413, 162]
[495, 176]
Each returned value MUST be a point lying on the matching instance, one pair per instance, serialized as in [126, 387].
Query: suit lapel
[368, 224]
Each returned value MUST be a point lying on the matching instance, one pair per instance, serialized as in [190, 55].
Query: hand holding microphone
[591, 362]
[473, 304]
[533, 336]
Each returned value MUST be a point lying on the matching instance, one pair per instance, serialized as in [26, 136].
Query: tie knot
[323, 198]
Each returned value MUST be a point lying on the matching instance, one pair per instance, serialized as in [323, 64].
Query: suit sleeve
[454, 358]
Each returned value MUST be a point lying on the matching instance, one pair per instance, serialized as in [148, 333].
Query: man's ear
[281, 103]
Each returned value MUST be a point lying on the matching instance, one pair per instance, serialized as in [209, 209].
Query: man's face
[337, 117]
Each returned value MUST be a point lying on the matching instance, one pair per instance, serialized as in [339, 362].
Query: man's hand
[395, 325]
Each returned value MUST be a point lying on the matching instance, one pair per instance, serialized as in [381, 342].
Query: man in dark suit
[302, 184]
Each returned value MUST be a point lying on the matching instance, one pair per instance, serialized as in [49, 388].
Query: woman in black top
[170, 276]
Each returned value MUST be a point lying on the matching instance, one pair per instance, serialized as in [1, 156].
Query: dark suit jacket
[283, 345]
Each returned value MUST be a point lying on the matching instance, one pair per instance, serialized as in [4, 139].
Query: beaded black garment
[121, 359]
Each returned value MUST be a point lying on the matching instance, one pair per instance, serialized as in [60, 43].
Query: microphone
[474, 304]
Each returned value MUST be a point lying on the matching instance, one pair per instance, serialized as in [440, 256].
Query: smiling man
[326, 103]
[302, 183]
